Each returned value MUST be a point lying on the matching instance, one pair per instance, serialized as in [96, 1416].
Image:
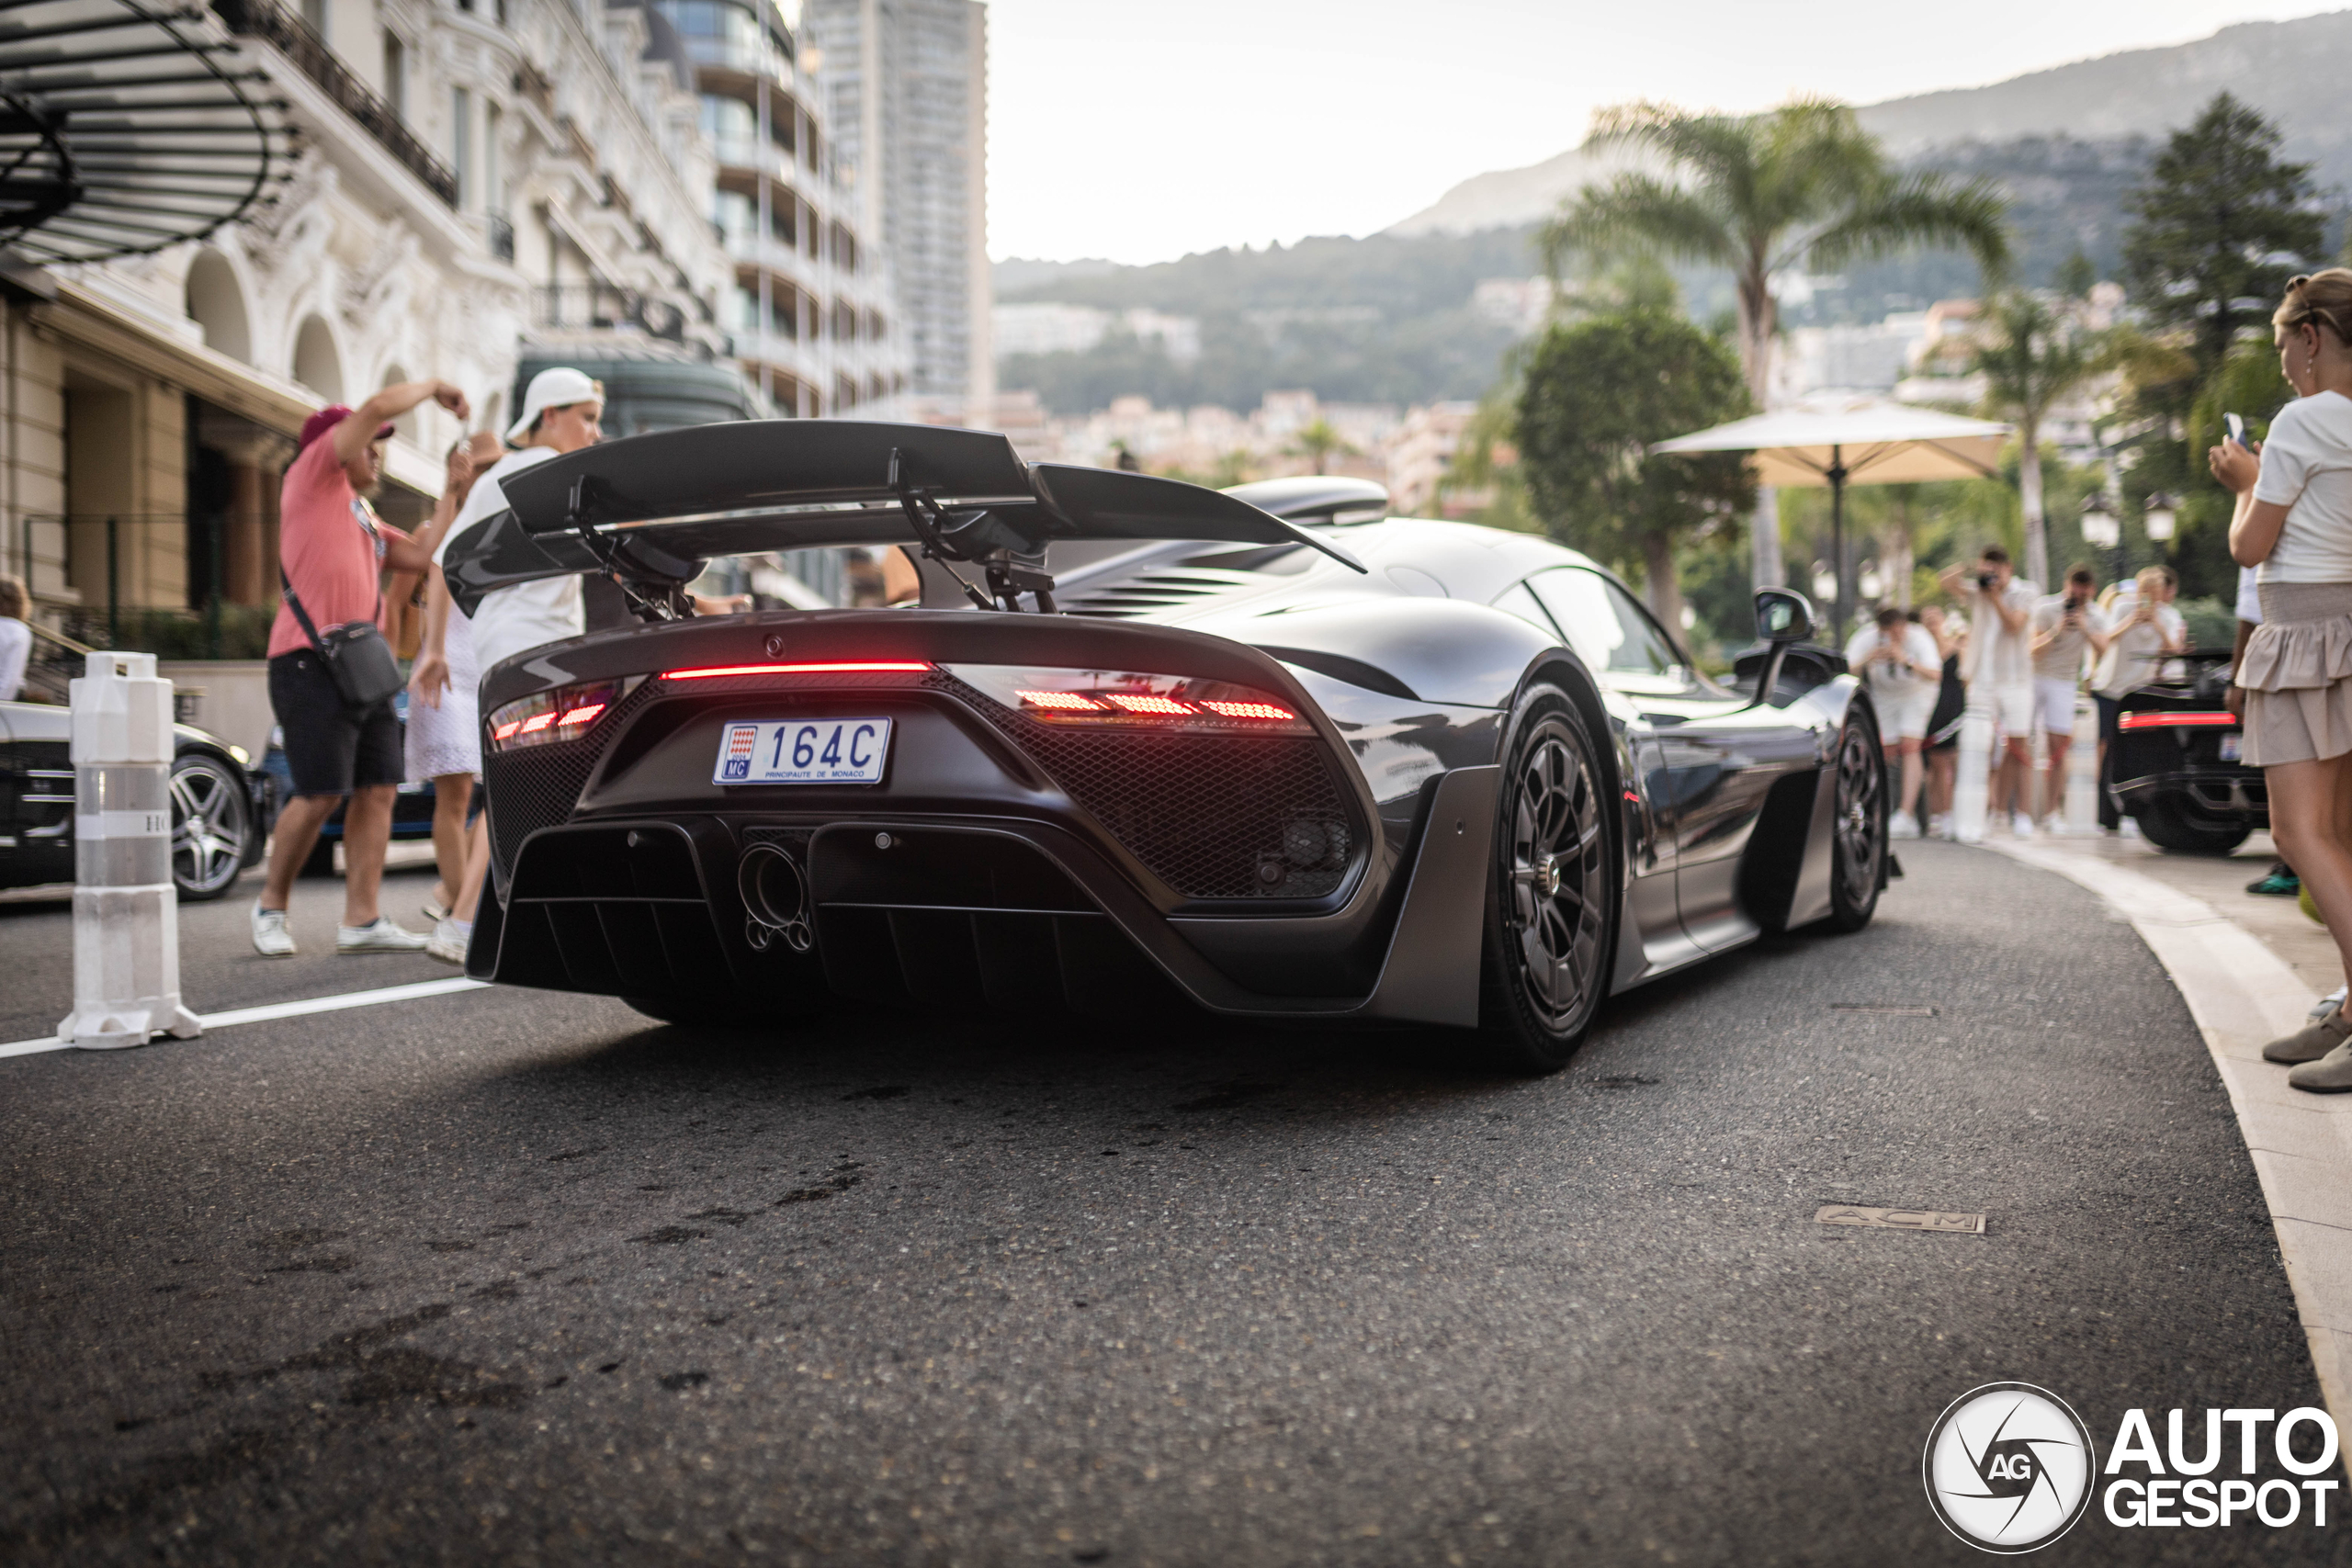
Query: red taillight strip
[2159, 720]
[900, 666]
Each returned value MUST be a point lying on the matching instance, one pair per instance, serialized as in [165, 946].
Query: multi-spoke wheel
[1551, 922]
[212, 826]
[1857, 858]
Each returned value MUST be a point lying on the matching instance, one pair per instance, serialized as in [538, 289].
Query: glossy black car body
[220, 808]
[1512, 796]
[2176, 766]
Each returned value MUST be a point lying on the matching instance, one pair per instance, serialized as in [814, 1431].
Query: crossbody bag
[358, 658]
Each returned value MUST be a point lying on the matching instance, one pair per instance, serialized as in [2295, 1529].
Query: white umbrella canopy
[1862, 442]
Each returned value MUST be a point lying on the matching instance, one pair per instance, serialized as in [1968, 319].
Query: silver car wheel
[211, 824]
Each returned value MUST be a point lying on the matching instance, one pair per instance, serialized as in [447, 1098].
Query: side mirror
[1782, 616]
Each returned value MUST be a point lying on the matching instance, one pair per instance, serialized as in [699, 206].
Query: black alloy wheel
[1858, 857]
[212, 826]
[1551, 916]
[2176, 826]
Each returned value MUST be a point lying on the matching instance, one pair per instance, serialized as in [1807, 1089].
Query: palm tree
[1318, 443]
[1803, 187]
[2032, 357]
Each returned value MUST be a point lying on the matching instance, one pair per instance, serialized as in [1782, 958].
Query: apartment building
[808, 304]
[906, 90]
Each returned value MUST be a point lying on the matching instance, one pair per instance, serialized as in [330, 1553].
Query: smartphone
[2236, 421]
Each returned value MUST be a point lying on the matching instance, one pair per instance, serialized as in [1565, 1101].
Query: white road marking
[289, 1009]
[2242, 996]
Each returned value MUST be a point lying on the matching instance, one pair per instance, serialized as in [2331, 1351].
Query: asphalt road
[511, 1277]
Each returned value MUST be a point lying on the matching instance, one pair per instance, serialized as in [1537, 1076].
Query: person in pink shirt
[331, 551]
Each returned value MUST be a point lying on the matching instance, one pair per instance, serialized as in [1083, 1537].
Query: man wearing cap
[563, 411]
[331, 551]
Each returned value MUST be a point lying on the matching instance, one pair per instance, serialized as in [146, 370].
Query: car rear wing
[651, 509]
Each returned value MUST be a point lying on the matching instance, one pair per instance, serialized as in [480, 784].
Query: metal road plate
[1900, 1219]
[1896, 1009]
[820, 751]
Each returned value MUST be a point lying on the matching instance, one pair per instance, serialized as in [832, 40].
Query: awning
[126, 127]
[1871, 442]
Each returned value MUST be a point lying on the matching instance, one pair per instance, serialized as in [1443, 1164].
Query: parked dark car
[221, 806]
[2176, 767]
[411, 807]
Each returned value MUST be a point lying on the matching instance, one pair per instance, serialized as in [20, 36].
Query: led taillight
[565, 714]
[1126, 699]
[859, 667]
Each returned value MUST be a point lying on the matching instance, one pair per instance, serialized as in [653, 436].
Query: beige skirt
[2298, 675]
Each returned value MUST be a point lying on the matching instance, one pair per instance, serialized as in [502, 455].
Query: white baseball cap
[554, 389]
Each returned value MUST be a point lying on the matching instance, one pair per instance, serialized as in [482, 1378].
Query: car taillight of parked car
[565, 714]
[2176, 718]
[1131, 700]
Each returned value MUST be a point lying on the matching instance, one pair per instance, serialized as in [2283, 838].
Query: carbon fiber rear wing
[650, 509]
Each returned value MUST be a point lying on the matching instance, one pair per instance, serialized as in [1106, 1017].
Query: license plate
[2231, 744]
[801, 751]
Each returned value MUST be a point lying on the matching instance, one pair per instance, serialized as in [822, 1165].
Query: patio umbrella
[1862, 442]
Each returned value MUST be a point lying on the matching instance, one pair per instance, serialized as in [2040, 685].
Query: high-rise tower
[906, 84]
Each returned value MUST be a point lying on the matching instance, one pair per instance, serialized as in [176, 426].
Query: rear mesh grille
[536, 786]
[1212, 815]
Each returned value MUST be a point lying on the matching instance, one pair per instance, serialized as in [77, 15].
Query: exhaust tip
[776, 897]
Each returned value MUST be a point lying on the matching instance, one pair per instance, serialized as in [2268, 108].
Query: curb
[2242, 996]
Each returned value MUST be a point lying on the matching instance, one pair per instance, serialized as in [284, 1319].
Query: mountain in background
[1387, 318]
[2296, 73]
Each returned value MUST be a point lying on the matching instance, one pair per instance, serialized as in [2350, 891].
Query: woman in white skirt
[444, 733]
[2294, 521]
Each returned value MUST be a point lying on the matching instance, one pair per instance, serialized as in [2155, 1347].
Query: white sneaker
[1902, 825]
[1940, 825]
[2130, 829]
[2328, 1004]
[2022, 824]
[379, 935]
[271, 938]
[432, 909]
[450, 939]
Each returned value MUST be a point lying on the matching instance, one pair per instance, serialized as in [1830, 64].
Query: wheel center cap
[1547, 876]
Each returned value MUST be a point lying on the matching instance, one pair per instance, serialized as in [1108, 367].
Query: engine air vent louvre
[1153, 591]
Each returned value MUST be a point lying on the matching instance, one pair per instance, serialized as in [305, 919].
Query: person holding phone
[2068, 628]
[2293, 522]
[1999, 668]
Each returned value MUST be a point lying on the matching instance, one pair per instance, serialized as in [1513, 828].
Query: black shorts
[331, 749]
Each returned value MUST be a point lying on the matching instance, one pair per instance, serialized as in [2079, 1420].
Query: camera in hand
[1985, 580]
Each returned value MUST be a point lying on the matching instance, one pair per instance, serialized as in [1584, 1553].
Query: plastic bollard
[126, 909]
[1972, 792]
[2082, 776]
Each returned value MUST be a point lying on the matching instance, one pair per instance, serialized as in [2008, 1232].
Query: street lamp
[2157, 515]
[2102, 529]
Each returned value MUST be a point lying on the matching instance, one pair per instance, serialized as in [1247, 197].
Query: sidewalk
[2248, 967]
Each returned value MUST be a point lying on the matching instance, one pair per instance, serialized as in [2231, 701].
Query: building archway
[216, 301]
[318, 364]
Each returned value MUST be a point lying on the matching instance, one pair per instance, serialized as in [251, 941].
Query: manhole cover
[1899, 1219]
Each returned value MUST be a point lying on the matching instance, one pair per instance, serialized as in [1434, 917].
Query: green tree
[2218, 224]
[1318, 442]
[1594, 397]
[2033, 355]
[1802, 187]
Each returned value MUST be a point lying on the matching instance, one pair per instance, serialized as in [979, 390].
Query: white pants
[2054, 700]
[2010, 708]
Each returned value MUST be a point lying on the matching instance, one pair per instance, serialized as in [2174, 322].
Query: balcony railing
[500, 234]
[600, 306]
[293, 39]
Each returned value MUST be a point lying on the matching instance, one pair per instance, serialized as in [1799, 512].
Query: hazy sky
[1141, 129]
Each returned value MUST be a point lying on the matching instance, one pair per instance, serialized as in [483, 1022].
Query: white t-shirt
[2128, 664]
[509, 620]
[1997, 656]
[16, 647]
[1896, 682]
[2061, 658]
[2307, 469]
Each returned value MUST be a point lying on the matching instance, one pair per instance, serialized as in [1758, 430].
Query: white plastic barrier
[1971, 791]
[2082, 776]
[126, 910]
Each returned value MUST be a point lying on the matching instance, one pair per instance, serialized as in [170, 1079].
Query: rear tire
[2166, 826]
[1552, 904]
[1857, 823]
